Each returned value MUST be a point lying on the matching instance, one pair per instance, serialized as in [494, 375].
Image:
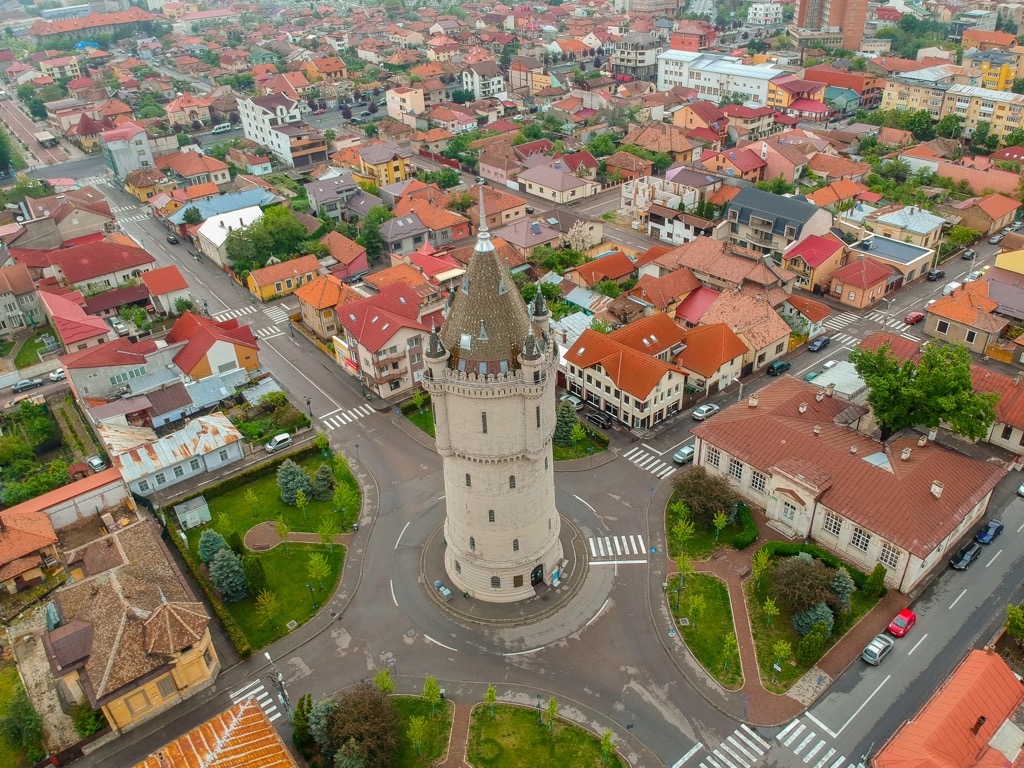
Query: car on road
[929, 303]
[442, 590]
[1020, 489]
[319, 111]
[996, 239]
[26, 384]
[577, 404]
[58, 375]
[878, 649]
[966, 555]
[96, 463]
[900, 625]
[989, 532]
[365, 113]
[1016, 225]
[975, 275]
[935, 274]
[777, 367]
[812, 375]
[819, 344]
[913, 318]
[684, 455]
[969, 254]
[705, 411]
[172, 240]
[828, 365]
[600, 418]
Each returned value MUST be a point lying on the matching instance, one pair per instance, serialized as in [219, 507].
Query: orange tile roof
[611, 267]
[285, 269]
[900, 348]
[708, 348]
[327, 291]
[344, 250]
[842, 189]
[815, 311]
[433, 216]
[240, 737]
[633, 372]
[650, 335]
[863, 273]
[666, 290]
[997, 206]
[723, 195]
[24, 532]
[400, 273]
[971, 306]
[751, 314]
[164, 280]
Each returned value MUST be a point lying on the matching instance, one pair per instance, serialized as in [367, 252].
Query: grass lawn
[440, 724]
[513, 739]
[782, 629]
[579, 451]
[10, 684]
[706, 639]
[28, 354]
[6, 347]
[423, 419]
[702, 544]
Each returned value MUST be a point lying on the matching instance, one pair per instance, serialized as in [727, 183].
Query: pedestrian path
[230, 313]
[741, 749]
[276, 314]
[649, 461]
[269, 333]
[839, 321]
[611, 548]
[844, 338]
[812, 749]
[894, 323]
[93, 181]
[340, 419]
[256, 690]
[130, 219]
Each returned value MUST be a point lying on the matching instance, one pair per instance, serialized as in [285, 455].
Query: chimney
[803, 407]
[976, 728]
[932, 434]
[222, 224]
[905, 454]
[922, 441]
[1016, 380]
[937, 487]
[820, 395]
[853, 449]
[752, 401]
[817, 430]
[830, 390]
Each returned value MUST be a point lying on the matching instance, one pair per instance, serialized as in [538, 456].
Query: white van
[950, 287]
[221, 128]
[277, 442]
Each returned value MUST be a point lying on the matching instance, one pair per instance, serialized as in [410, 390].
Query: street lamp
[277, 680]
[309, 406]
[540, 720]
[312, 596]
[357, 451]
[393, 670]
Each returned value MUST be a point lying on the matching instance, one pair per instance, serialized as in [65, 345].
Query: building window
[179, 471]
[515, 545]
[143, 485]
[496, 582]
[758, 481]
[138, 702]
[469, 481]
[890, 556]
[971, 336]
[511, 482]
[483, 421]
[207, 658]
[538, 417]
[490, 515]
[1007, 432]
[778, 348]
[167, 687]
[472, 542]
[545, 463]
[861, 539]
[833, 523]
[194, 465]
[736, 468]
[714, 457]
[160, 479]
[942, 327]
[458, 567]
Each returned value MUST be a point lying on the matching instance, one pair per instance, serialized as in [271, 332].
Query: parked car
[878, 649]
[705, 411]
[966, 555]
[969, 254]
[26, 384]
[684, 455]
[600, 418]
[777, 367]
[828, 365]
[96, 463]
[935, 274]
[118, 325]
[997, 238]
[277, 442]
[1016, 225]
[59, 375]
[989, 532]
[975, 275]
[812, 375]
[364, 113]
[819, 344]
[900, 625]
[1020, 489]
[442, 590]
[319, 111]
[913, 318]
[577, 404]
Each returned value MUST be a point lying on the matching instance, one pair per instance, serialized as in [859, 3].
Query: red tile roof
[201, 334]
[708, 348]
[373, 321]
[814, 250]
[164, 280]
[118, 352]
[24, 532]
[815, 311]
[633, 372]
[614, 266]
[344, 250]
[900, 348]
[91, 260]
[292, 268]
[327, 291]
[666, 290]
[73, 325]
[651, 335]
[997, 206]
[863, 273]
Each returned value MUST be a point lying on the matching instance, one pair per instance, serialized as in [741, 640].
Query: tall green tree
[490, 697]
[431, 692]
[418, 732]
[318, 569]
[268, 607]
[949, 127]
[552, 713]
[371, 237]
[328, 528]
[228, 576]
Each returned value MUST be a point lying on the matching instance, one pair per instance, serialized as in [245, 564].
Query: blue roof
[229, 203]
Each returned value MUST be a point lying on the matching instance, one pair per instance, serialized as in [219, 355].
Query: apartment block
[998, 68]
[715, 77]
[1001, 109]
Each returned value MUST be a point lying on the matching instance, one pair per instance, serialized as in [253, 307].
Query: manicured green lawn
[513, 739]
[6, 347]
[440, 724]
[28, 354]
[706, 638]
[765, 637]
[10, 684]
[424, 418]
[578, 451]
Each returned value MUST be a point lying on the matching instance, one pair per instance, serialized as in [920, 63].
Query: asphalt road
[17, 121]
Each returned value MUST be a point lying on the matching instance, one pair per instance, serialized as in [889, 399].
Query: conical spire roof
[488, 322]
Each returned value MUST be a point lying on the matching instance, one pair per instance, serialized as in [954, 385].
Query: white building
[764, 14]
[491, 374]
[261, 118]
[213, 233]
[715, 76]
[126, 149]
[485, 80]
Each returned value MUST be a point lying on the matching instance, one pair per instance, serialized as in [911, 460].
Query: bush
[819, 613]
[244, 478]
[842, 586]
[86, 719]
[228, 576]
[291, 479]
[210, 543]
[22, 726]
[255, 576]
[706, 494]
[323, 483]
[235, 542]
[809, 649]
[874, 585]
[788, 549]
[748, 533]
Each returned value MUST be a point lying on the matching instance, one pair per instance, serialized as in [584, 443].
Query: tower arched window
[483, 421]
[490, 515]
[496, 582]
[515, 545]
[472, 542]
[512, 482]
[458, 567]
[469, 480]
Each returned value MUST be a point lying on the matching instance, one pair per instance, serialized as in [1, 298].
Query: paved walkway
[459, 738]
[264, 536]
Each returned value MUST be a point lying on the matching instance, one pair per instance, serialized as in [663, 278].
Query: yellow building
[385, 162]
[147, 183]
[1002, 110]
[282, 279]
[926, 88]
[998, 68]
[65, 66]
[133, 640]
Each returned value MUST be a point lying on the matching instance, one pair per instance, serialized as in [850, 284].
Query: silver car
[877, 649]
[705, 411]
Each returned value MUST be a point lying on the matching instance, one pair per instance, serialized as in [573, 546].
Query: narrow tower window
[538, 417]
[490, 515]
[515, 545]
[496, 582]
[483, 421]
[472, 542]
[458, 567]
[469, 480]
[512, 482]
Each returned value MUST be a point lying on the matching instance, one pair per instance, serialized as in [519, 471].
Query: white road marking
[594, 617]
[581, 501]
[693, 750]
[393, 598]
[825, 759]
[618, 552]
[957, 599]
[814, 750]
[857, 712]
[997, 554]
[618, 562]
[807, 740]
[820, 724]
[787, 729]
[917, 643]
[793, 736]
[428, 637]
[241, 691]
[517, 653]
[757, 739]
[399, 539]
[593, 549]
[734, 747]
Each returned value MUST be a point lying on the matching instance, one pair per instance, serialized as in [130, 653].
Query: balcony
[388, 359]
[386, 376]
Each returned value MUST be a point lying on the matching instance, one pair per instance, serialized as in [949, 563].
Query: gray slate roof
[781, 211]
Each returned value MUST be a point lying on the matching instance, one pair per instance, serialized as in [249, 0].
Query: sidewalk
[459, 738]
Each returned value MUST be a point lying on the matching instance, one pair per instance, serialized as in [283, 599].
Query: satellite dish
[19, 219]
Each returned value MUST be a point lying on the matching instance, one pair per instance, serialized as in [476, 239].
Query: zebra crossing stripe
[752, 738]
[800, 747]
[632, 543]
[593, 549]
[630, 452]
[241, 692]
[600, 547]
[608, 544]
[815, 750]
[825, 759]
[640, 539]
[618, 552]
[840, 761]
[800, 729]
[787, 729]
[722, 757]
[741, 760]
[711, 762]
[740, 748]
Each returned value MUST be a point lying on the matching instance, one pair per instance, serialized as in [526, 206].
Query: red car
[914, 318]
[319, 111]
[904, 620]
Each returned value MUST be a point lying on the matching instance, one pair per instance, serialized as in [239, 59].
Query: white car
[829, 365]
[577, 404]
[58, 375]
[705, 411]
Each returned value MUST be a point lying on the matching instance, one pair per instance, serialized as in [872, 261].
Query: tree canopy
[277, 233]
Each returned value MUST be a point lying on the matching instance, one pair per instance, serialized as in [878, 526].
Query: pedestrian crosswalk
[230, 313]
[649, 461]
[276, 314]
[256, 690]
[894, 323]
[839, 321]
[93, 181]
[741, 749]
[813, 750]
[123, 208]
[269, 333]
[617, 546]
[342, 418]
[844, 338]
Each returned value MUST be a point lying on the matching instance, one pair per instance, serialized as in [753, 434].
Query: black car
[819, 344]
[965, 556]
[935, 274]
[600, 418]
[969, 254]
[172, 240]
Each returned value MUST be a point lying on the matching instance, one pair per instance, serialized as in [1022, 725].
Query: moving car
[684, 455]
[969, 254]
[935, 274]
[989, 532]
[577, 404]
[600, 418]
[776, 367]
[997, 238]
[59, 375]
[878, 649]
[172, 240]
[277, 442]
[96, 464]
[904, 620]
[819, 344]
[914, 318]
[25, 384]
[442, 590]
[966, 555]
[705, 411]
[319, 111]
[364, 113]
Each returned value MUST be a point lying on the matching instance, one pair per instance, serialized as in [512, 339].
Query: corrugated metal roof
[204, 435]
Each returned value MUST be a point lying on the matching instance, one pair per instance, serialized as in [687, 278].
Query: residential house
[212, 235]
[553, 182]
[987, 215]
[485, 80]
[682, 188]
[711, 357]
[627, 166]
[902, 504]
[807, 316]
[803, 99]
[146, 183]
[250, 162]
[432, 297]
[837, 195]
[283, 278]
[966, 316]
[349, 256]
[750, 123]
[665, 294]
[831, 168]
[1007, 431]
[27, 548]
[404, 104]
[321, 300]
[866, 85]
[99, 264]
[674, 226]
[121, 366]
[634, 388]
[500, 208]
[702, 114]
[385, 162]
[213, 346]
[20, 305]
[616, 267]
[525, 236]
[384, 341]
[433, 140]
[750, 312]
[739, 163]
[908, 224]
[404, 234]
[908, 261]
[329, 197]
[861, 283]
[166, 287]
[63, 219]
[132, 638]
[663, 137]
[655, 335]
[188, 109]
[771, 223]
[275, 122]
[522, 73]
[444, 226]
[189, 168]
[814, 259]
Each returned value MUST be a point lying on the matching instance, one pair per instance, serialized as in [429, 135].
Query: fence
[328, 350]
[440, 159]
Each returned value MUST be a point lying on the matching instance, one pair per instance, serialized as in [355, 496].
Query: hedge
[238, 638]
[409, 406]
[598, 437]
[788, 549]
[243, 478]
[748, 533]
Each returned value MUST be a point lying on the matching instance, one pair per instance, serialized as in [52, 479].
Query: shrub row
[748, 533]
[238, 638]
[410, 406]
[788, 549]
[598, 437]
[243, 478]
